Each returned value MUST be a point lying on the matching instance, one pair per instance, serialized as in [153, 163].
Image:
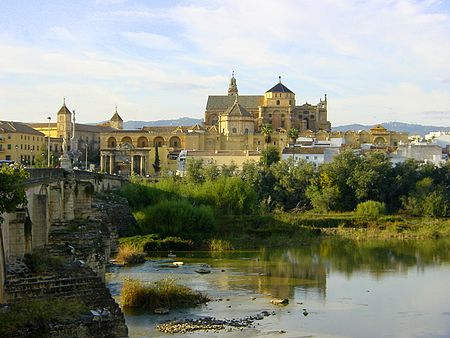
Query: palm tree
[267, 131]
[293, 135]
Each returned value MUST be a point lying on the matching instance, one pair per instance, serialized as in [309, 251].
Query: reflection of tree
[279, 272]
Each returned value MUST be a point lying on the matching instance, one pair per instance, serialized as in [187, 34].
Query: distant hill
[182, 121]
[412, 129]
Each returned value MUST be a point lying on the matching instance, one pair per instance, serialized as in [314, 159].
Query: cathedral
[244, 114]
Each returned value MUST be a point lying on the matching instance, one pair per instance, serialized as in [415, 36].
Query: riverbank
[281, 229]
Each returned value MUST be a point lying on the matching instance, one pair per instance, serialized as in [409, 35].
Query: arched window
[234, 130]
[158, 141]
[175, 142]
[112, 142]
[142, 142]
[278, 102]
[127, 139]
[246, 130]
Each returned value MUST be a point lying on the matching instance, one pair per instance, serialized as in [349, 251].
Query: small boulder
[283, 301]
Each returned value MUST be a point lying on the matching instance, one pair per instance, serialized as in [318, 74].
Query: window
[8, 157]
[282, 115]
[21, 137]
[21, 147]
[9, 147]
[38, 148]
[278, 102]
[274, 143]
[307, 157]
[315, 157]
[246, 130]
[259, 143]
[1, 147]
[270, 115]
[234, 130]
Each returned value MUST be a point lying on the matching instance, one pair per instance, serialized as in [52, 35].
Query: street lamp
[48, 150]
[17, 159]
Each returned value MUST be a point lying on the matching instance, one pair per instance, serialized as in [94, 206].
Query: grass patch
[128, 254]
[35, 316]
[219, 245]
[40, 261]
[164, 293]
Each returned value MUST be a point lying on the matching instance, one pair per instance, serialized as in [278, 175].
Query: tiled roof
[92, 128]
[225, 101]
[116, 117]
[237, 110]
[18, 127]
[64, 110]
[279, 88]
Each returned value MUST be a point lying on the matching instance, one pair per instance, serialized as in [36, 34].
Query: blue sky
[378, 61]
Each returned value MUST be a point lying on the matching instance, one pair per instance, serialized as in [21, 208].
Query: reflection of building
[19, 142]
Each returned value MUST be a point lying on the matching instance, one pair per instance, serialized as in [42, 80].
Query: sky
[378, 61]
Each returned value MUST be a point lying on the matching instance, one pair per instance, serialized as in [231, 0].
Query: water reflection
[350, 288]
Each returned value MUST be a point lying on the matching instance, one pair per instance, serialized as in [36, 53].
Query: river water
[347, 289]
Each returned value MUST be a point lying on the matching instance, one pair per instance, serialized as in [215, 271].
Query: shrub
[35, 315]
[218, 245]
[164, 293]
[137, 242]
[371, 209]
[128, 254]
[168, 244]
[172, 218]
[40, 261]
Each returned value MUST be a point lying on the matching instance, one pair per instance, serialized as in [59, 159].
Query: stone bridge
[54, 196]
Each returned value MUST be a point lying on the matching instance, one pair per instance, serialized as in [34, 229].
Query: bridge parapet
[45, 175]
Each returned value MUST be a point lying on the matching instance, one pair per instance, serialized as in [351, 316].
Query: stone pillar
[38, 214]
[141, 165]
[102, 163]
[3, 258]
[111, 164]
[132, 165]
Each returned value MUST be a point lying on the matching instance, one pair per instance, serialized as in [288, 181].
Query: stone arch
[175, 142]
[379, 140]
[142, 142]
[112, 143]
[127, 139]
[158, 141]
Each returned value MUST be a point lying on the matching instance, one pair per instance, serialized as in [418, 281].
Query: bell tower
[64, 122]
[232, 87]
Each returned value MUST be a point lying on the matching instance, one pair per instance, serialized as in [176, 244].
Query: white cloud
[151, 40]
[61, 33]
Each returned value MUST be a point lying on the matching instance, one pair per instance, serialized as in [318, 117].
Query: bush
[40, 261]
[172, 218]
[164, 293]
[371, 209]
[137, 242]
[169, 244]
[128, 254]
[36, 315]
[219, 245]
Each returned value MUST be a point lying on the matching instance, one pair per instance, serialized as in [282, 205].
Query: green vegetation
[40, 261]
[35, 316]
[12, 192]
[282, 199]
[371, 209]
[128, 254]
[219, 245]
[165, 293]
[152, 242]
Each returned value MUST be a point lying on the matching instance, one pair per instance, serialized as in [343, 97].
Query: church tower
[64, 122]
[116, 121]
[232, 87]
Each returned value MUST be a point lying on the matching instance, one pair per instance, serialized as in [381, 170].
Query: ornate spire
[232, 87]
[279, 78]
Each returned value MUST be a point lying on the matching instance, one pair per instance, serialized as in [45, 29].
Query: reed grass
[128, 254]
[164, 293]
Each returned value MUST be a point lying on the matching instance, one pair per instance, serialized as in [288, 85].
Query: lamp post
[17, 159]
[31, 159]
[48, 147]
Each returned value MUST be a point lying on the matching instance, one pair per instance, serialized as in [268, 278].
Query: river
[345, 288]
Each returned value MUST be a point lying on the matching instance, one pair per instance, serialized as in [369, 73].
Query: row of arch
[143, 142]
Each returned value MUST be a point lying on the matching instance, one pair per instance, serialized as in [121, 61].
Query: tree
[41, 159]
[194, 170]
[156, 164]
[12, 192]
[228, 170]
[293, 135]
[267, 131]
[211, 172]
[269, 156]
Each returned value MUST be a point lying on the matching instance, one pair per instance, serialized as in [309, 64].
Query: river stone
[283, 301]
[161, 311]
